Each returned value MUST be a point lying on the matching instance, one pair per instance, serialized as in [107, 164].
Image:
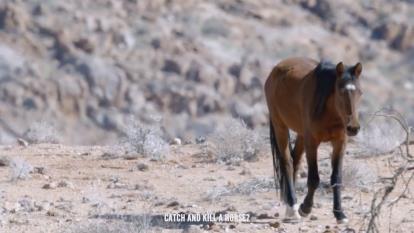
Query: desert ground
[57, 188]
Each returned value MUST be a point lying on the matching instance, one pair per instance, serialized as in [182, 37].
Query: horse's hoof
[292, 214]
[342, 221]
[303, 214]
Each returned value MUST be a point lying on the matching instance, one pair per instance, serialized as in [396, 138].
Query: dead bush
[235, 142]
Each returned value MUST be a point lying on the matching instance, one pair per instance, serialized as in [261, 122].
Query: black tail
[279, 168]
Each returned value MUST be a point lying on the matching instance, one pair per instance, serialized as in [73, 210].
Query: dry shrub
[42, 132]
[235, 142]
[146, 140]
[19, 169]
[358, 175]
[138, 225]
[249, 187]
[379, 136]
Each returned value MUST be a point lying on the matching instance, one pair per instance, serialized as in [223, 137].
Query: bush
[145, 140]
[380, 135]
[19, 169]
[42, 132]
[235, 142]
[358, 175]
[139, 225]
[251, 186]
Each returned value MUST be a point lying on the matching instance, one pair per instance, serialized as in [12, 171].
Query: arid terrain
[88, 189]
[114, 113]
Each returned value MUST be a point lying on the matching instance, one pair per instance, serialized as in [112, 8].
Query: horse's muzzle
[352, 131]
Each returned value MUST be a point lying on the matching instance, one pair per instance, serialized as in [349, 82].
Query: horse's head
[347, 96]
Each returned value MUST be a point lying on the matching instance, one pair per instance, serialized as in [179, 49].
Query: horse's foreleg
[287, 186]
[311, 147]
[336, 179]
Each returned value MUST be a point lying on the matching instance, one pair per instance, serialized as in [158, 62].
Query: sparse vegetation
[142, 224]
[19, 169]
[358, 175]
[251, 186]
[145, 140]
[42, 132]
[379, 136]
[236, 142]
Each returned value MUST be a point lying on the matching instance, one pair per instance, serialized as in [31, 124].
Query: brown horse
[319, 102]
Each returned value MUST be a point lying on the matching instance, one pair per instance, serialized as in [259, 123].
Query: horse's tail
[279, 167]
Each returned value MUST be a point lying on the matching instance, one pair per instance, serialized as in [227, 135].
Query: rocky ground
[84, 66]
[57, 188]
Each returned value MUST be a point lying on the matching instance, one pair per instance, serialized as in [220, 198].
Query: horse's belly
[289, 108]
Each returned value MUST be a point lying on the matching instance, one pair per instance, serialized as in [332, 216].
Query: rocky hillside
[86, 66]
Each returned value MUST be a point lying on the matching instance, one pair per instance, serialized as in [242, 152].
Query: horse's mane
[325, 74]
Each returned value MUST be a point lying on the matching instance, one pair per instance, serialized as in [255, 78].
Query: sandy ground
[87, 187]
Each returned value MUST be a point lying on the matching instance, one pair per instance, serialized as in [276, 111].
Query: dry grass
[42, 132]
[19, 169]
[235, 142]
[145, 140]
[138, 225]
[249, 187]
[380, 136]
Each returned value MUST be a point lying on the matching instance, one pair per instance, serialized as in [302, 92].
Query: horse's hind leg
[311, 147]
[287, 187]
[336, 179]
[297, 154]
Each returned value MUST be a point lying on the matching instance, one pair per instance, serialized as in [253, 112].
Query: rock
[39, 170]
[51, 185]
[117, 185]
[173, 204]
[274, 224]
[4, 161]
[22, 142]
[66, 184]
[171, 66]
[142, 167]
[313, 218]
[263, 216]
[176, 141]
[108, 156]
[131, 156]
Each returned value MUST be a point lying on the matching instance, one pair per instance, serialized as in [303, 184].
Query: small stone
[51, 185]
[108, 156]
[263, 216]
[64, 184]
[131, 156]
[313, 218]
[173, 204]
[176, 141]
[51, 213]
[4, 161]
[200, 140]
[142, 167]
[22, 142]
[275, 224]
[39, 170]
[245, 171]
[117, 186]
[231, 208]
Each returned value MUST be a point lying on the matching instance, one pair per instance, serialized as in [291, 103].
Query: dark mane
[325, 74]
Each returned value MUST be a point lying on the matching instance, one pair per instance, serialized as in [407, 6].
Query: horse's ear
[340, 68]
[358, 69]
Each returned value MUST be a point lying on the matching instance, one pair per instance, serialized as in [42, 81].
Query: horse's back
[284, 91]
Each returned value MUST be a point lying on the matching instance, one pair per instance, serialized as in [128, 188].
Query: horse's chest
[331, 133]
